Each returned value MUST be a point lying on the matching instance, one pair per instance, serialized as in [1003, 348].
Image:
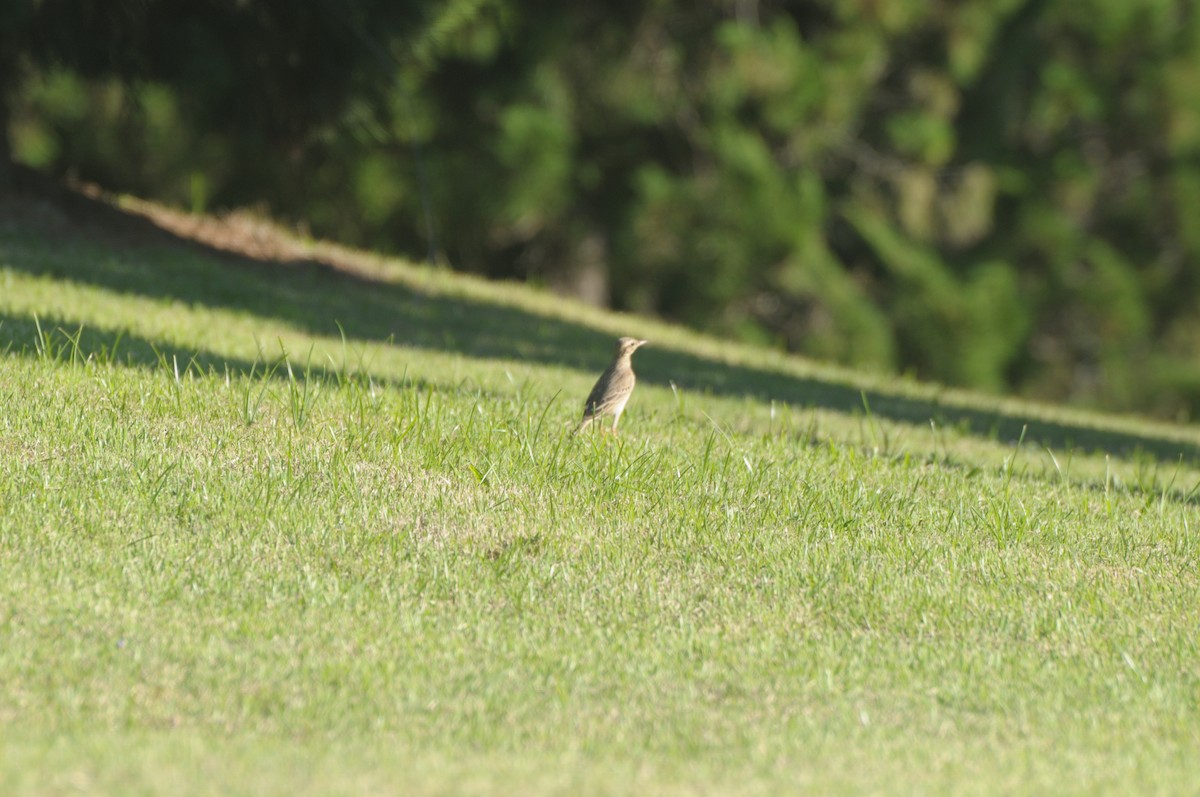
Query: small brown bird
[614, 386]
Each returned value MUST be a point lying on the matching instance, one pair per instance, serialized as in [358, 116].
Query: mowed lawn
[269, 526]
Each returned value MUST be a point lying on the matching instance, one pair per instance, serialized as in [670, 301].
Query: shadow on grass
[72, 342]
[103, 246]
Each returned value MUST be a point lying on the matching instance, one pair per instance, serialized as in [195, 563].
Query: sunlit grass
[246, 549]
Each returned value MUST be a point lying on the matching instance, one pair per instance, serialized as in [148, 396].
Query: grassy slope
[401, 572]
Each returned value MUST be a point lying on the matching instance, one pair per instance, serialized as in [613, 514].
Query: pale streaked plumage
[614, 386]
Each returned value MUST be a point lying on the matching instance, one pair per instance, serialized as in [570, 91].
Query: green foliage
[989, 193]
[968, 329]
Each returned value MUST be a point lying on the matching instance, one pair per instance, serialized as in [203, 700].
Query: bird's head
[627, 346]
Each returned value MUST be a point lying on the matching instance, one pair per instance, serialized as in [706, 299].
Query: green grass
[272, 529]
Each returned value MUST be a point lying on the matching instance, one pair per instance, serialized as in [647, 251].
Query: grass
[279, 528]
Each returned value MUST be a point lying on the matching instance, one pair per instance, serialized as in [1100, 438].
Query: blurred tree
[254, 82]
[996, 193]
[15, 19]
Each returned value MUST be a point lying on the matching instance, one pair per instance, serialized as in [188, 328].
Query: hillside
[281, 517]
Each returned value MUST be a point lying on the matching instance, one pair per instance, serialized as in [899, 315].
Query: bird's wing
[593, 405]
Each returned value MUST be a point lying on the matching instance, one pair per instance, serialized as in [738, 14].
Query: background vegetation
[993, 193]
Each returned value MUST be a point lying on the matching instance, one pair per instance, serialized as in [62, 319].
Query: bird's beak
[641, 343]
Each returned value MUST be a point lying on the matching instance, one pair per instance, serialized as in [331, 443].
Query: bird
[614, 386]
